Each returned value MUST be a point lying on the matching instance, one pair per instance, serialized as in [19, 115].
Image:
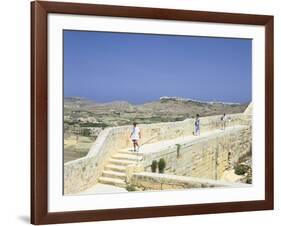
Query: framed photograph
[148, 112]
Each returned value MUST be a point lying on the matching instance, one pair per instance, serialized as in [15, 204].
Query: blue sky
[138, 68]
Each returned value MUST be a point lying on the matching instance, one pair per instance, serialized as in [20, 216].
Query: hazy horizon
[152, 100]
[140, 68]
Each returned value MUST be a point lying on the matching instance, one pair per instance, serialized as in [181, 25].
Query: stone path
[155, 147]
[103, 189]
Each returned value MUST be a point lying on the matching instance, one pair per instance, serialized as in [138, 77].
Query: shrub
[69, 123]
[161, 165]
[249, 176]
[249, 180]
[86, 132]
[131, 188]
[154, 166]
[241, 169]
[87, 124]
[91, 124]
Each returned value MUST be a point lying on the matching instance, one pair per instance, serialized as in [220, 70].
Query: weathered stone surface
[201, 158]
[156, 181]
[208, 156]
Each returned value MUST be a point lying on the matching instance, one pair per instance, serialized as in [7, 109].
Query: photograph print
[150, 112]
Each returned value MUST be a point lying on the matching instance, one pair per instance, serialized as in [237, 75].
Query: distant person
[197, 125]
[223, 122]
[135, 136]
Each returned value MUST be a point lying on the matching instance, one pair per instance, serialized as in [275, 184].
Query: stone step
[113, 167]
[127, 157]
[130, 152]
[121, 162]
[114, 174]
[112, 181]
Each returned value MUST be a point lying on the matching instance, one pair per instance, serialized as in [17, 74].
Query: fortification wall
[155, 181]
[83, 173]
[119, 137]
[205, 157]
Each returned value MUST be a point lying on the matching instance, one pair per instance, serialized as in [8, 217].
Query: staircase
[114, 172]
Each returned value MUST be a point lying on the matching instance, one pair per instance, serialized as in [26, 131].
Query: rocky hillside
[163, 110]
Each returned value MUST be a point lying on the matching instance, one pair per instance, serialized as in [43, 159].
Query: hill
[163, 110]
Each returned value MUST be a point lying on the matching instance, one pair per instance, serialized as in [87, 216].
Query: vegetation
[245, 157]
[86, 132]
[131, 188]
[161, 165]
[69, 122]
[249, 180]
[154, 166]
[241, 169]
[179, 119]
[249, 176]
[91, 124]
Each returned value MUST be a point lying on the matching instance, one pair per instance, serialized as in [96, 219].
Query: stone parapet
[156, 181]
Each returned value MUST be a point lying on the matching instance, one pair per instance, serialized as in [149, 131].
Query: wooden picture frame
[39, 112]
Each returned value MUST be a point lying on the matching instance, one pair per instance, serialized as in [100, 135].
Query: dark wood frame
[39, 115]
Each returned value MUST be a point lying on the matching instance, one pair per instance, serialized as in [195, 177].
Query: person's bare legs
[223, 125]
[136, 145]
[134, 142]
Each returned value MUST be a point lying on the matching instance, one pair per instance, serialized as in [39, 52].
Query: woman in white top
[135, 136]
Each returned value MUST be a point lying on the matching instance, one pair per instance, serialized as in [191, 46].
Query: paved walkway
[155, 147]
[103, 189]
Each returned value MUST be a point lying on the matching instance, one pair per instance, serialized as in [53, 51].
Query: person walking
[197, 125]
[135, 136]
[223, 122]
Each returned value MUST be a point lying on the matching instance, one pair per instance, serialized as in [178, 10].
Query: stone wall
[206, 157]
[155, 181]
[83, 173]
[120, 136]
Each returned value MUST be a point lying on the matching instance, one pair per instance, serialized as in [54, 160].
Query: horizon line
[159, 99]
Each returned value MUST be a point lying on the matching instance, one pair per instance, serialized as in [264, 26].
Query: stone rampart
[83, 173]
[206, 157]
[156, 181]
